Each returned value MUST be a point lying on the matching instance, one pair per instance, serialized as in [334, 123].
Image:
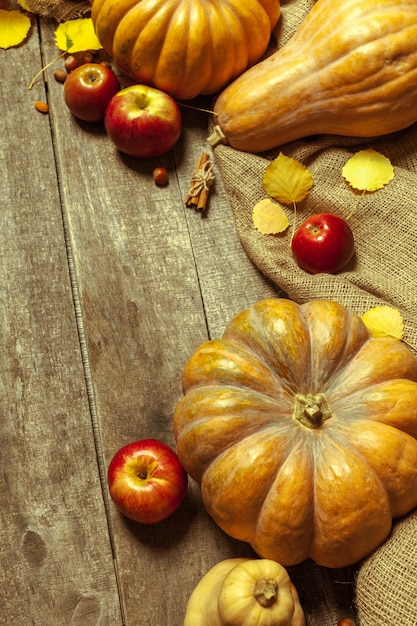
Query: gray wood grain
[55, 553]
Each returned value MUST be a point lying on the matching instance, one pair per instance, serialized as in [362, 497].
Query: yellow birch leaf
[77, 35]
[287, 180]
[368, 170]
[269, 218]
[384, 321]
[14, 28]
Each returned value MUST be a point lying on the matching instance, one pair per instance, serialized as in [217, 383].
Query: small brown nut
[71, 63]
[160, 176]
[60, 76]
[41, 106]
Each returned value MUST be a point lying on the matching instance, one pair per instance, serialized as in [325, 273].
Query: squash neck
[312, 409]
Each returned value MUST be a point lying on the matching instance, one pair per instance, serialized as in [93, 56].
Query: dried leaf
[368, 170]
[269, 218]
[384, 321]
[14, 28]
[287, 180]
[77, 35]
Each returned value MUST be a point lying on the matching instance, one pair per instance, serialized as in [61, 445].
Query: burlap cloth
[59, 10]
[383, 271]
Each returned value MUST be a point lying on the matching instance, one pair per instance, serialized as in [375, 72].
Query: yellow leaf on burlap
[368, 170]
[269, 218]
[384, 321]
[287, 180]
[14, 28]
[77, 36]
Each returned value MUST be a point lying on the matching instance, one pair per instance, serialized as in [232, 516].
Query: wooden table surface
[108, 284]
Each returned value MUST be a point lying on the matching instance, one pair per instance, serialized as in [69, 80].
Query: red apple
[88, 90]
[146, 481]
[143, 121]
[323, 243]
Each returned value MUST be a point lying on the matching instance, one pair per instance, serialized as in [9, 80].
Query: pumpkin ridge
[390, 402]
[217, 359]
[398, 363]
[190, 427]
[353, 340]
[294, 488]
[268, 351]
[260, 356]
[259, 395]
[392, 474]
[168, 56]
[235, 517]
[335, 537]
[126, 44]
[268, 402]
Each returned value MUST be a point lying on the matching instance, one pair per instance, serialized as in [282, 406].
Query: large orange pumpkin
[302, 430]
[185, 47]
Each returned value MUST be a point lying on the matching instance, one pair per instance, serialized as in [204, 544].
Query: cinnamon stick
[201, 181]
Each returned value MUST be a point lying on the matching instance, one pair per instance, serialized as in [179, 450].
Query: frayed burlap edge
[59, 10]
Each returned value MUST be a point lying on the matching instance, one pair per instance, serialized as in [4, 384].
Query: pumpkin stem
[266, 591]
[311, 409]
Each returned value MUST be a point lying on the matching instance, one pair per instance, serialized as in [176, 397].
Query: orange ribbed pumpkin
[185, 47]
[302, 430]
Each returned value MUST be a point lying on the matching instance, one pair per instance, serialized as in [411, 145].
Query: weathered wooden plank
[229, 281]
[142, 314]
[56, 563]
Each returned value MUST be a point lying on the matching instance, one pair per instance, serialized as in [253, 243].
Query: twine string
[202, 179]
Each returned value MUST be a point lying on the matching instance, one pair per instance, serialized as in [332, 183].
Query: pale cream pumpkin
[245, 592]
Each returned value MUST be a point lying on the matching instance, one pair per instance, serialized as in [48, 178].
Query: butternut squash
[350, 69]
